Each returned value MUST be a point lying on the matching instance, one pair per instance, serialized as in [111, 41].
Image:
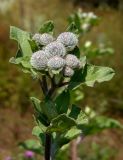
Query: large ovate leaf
[22, 38]
[61, 123]
[62, 102]
[49, 109]
[91, 74]
[47, 27]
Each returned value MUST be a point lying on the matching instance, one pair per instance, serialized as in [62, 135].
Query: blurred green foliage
[97, 151]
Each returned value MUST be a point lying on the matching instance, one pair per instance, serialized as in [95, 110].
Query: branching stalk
[44, 86]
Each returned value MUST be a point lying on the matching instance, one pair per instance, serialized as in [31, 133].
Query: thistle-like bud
[68, 72]
[55, 49]
[39, 60]
[36, 38]
[72, 61]
[56, 63]
[46, 38]
[68, 39]
[43, 39]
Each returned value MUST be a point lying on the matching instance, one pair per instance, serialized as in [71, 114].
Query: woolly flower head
[68, 72]
[72, 61]
[46, 38]
[39, 60]
[68, 39]
[56, 63]
[43, 39]
[55, 49]
[36, 37]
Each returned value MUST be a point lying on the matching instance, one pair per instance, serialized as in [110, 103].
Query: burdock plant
[59, 68]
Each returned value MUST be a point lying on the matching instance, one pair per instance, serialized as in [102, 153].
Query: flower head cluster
[55, 54]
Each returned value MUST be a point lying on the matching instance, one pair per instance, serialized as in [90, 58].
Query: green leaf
[62, 139]
[81, 118]
[13, 60]
[19, 53]
[91, 74]
[72, 133]
[32, 145]
[62, 102]
[98, 74]
[38, 132]
[49, 109]
[47, 27]
[36, 103]
[23, 61]
[74, 111]
[40, 116]
[33, 45]
[22, 38]
[66, 137]
[73, 28]
[61, 123]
